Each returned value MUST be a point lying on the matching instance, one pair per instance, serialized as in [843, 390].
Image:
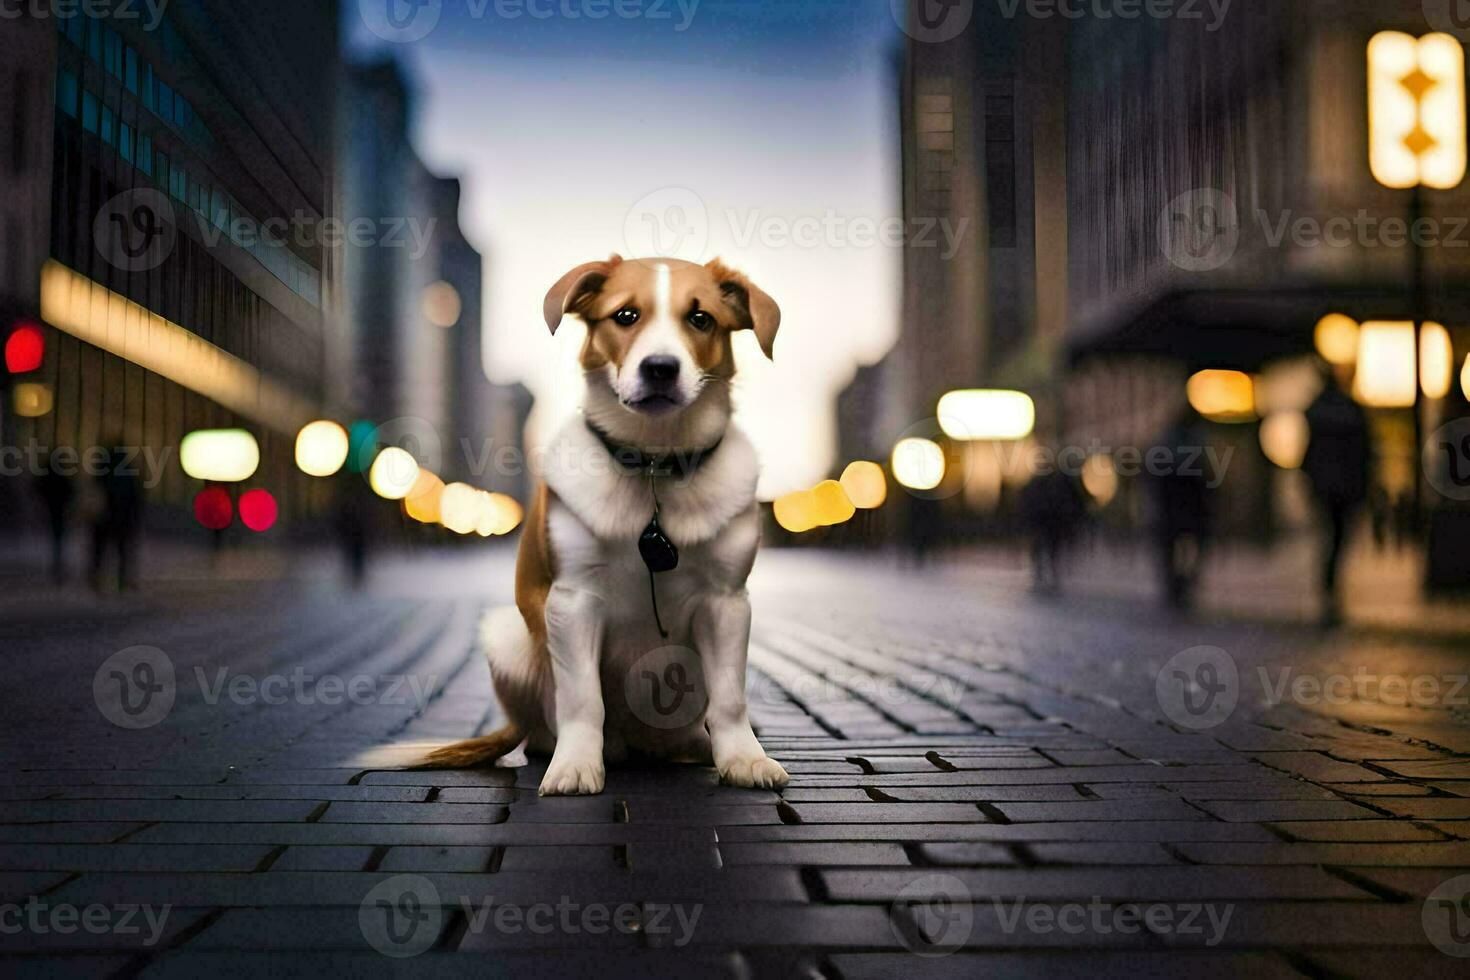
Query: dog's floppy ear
[572, 287]
[757, 311]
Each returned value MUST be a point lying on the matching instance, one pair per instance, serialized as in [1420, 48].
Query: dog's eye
[701, 321]
[626, 317]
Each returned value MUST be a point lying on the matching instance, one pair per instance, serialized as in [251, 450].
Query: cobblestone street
[983, 783]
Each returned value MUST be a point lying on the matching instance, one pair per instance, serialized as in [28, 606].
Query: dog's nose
[659, 369]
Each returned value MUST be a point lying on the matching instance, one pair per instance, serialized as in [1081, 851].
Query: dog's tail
[473, 752]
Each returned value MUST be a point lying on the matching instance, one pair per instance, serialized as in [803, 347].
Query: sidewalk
[1381, 590]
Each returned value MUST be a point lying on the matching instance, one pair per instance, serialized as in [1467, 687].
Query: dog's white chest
[612, 570]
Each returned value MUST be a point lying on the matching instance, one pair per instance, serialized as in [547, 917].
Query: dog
[638, 541]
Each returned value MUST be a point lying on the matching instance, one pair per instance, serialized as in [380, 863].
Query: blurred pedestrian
[1339, 453]
[116, 526]
[354, 514]
[1182, 527]
[58, 492]
[1053, 509]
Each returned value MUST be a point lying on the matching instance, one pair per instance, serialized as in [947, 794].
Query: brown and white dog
[659, 361]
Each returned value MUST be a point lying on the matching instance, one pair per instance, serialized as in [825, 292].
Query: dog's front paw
[761, 772]
[572, 777]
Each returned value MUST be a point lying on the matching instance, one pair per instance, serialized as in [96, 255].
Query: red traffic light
[214, 509]
[258, 510]
[25, 349]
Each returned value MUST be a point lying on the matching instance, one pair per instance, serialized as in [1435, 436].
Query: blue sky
[762, 131]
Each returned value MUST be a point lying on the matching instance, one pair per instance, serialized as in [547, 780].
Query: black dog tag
[658, 552]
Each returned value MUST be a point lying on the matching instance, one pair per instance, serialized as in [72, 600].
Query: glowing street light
[1416, 110]
[459, 508]
[219, 455]
[1436, 361]
[1337, 339]
[918, 463]
[865, 484]
[321, 448]
[1386, 368]
[797, 511]
[977, 414]
[393, 474]
[1223, 396]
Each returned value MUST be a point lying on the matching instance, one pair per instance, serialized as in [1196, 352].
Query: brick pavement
[980, 784]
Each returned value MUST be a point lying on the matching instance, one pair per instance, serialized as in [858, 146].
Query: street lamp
[1416, 139]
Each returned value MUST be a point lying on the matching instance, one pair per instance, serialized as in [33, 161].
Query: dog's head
[661, 327]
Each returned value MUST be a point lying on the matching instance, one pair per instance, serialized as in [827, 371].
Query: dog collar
[678, 463]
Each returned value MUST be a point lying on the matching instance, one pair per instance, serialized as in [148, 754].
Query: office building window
[145, 153]
[112, 56]
[106, 129]
[66, 93]
[130, 70]
[125, 141]
[89, 111]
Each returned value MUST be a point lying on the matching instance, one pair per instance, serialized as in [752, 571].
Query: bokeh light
[25, 349]
[1100, 478]
[459, 508]
[32, 400]
[441, 305]
[321, 448]
[393, 474]
[1284, 438]
[258, 510]
[213, 508]
[865, 484]
[985, 414]
[422, 502]
[918, 463]
[499, 514]
[1386, 365]
[362, 443]
[1336, 337]
[832, 504]
[796, 511]
[219, 455]
[1223, 396]
[1436, 360]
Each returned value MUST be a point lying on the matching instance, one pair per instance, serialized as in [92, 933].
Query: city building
[165, 185]
[1167, 195]
[414, 292]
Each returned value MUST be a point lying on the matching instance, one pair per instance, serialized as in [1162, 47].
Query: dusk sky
[763, 132]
